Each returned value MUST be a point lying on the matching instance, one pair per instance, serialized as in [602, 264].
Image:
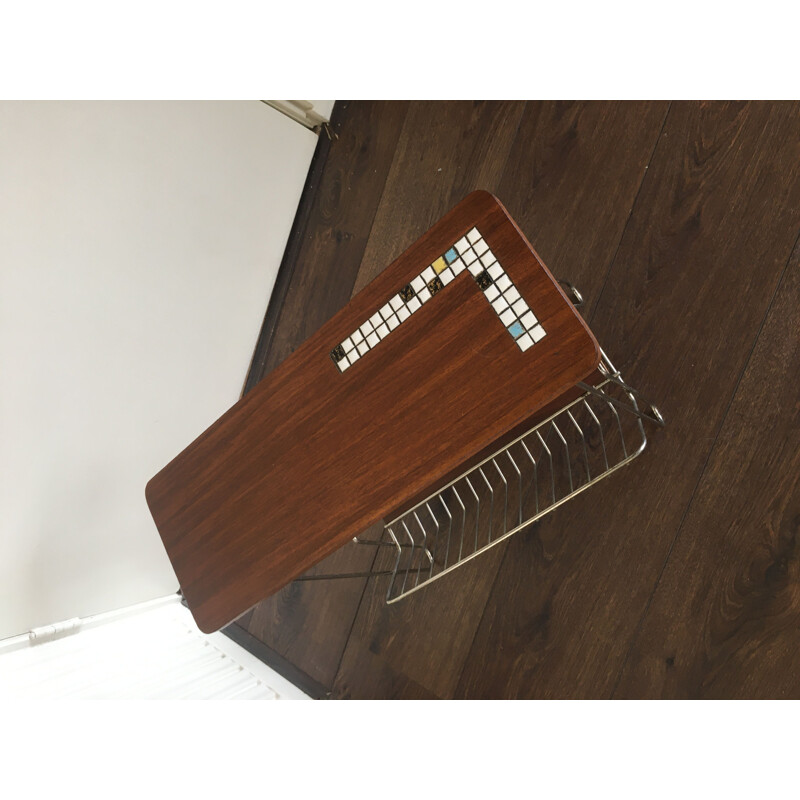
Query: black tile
[484, 279]
[407, 292]
[337, 354]
[435, 285]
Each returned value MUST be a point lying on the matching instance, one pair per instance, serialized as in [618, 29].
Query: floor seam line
[702, 472]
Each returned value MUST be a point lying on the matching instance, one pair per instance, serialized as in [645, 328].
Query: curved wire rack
[587, 440]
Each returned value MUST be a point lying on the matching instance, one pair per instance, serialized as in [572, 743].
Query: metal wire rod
[606, 440]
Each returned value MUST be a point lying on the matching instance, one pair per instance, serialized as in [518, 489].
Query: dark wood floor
[678, 576]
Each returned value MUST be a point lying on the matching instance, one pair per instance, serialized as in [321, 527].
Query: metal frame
[560, 457]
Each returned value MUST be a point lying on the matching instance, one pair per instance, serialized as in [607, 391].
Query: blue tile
[516, 330]
[450, 256]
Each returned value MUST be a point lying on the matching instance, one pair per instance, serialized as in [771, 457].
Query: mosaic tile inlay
[469, 254]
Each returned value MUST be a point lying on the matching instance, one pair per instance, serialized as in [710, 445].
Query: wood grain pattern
[443, 151]
[309, 623]
[707, 241]
[565, 148]
[596, 378]
[724, 621]
[446, 151]
[340, 219]
[419, 642]
[680, 312]
[572, 179]
[230, 506]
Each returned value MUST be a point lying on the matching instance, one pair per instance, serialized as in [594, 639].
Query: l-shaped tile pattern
[469, 254]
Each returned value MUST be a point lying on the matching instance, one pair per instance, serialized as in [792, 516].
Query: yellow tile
[439, 264]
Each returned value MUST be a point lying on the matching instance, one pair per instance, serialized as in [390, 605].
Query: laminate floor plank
[426, 637]
[572, 180]
[702, 254]
[308, 623]
[678, 575]
[445, 151]
[340, 221]
[724, 621]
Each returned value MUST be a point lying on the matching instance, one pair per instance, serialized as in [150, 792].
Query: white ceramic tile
[461, 245]
[503, 282]
[524, 342]
[512, 295]
[500, 305]
[507, 317]
[520, 307]
[476, 256]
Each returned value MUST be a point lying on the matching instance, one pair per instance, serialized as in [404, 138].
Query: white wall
[139, 243]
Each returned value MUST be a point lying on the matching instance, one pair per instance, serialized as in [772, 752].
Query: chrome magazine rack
[596, 434]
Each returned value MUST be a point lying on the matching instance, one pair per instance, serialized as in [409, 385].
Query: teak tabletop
[407, 382]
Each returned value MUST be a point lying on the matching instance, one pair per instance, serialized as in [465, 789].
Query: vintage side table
[460, 396]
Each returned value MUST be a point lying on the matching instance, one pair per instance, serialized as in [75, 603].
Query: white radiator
[150, 651]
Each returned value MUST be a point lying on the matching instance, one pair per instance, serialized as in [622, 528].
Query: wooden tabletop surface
[464, 336]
